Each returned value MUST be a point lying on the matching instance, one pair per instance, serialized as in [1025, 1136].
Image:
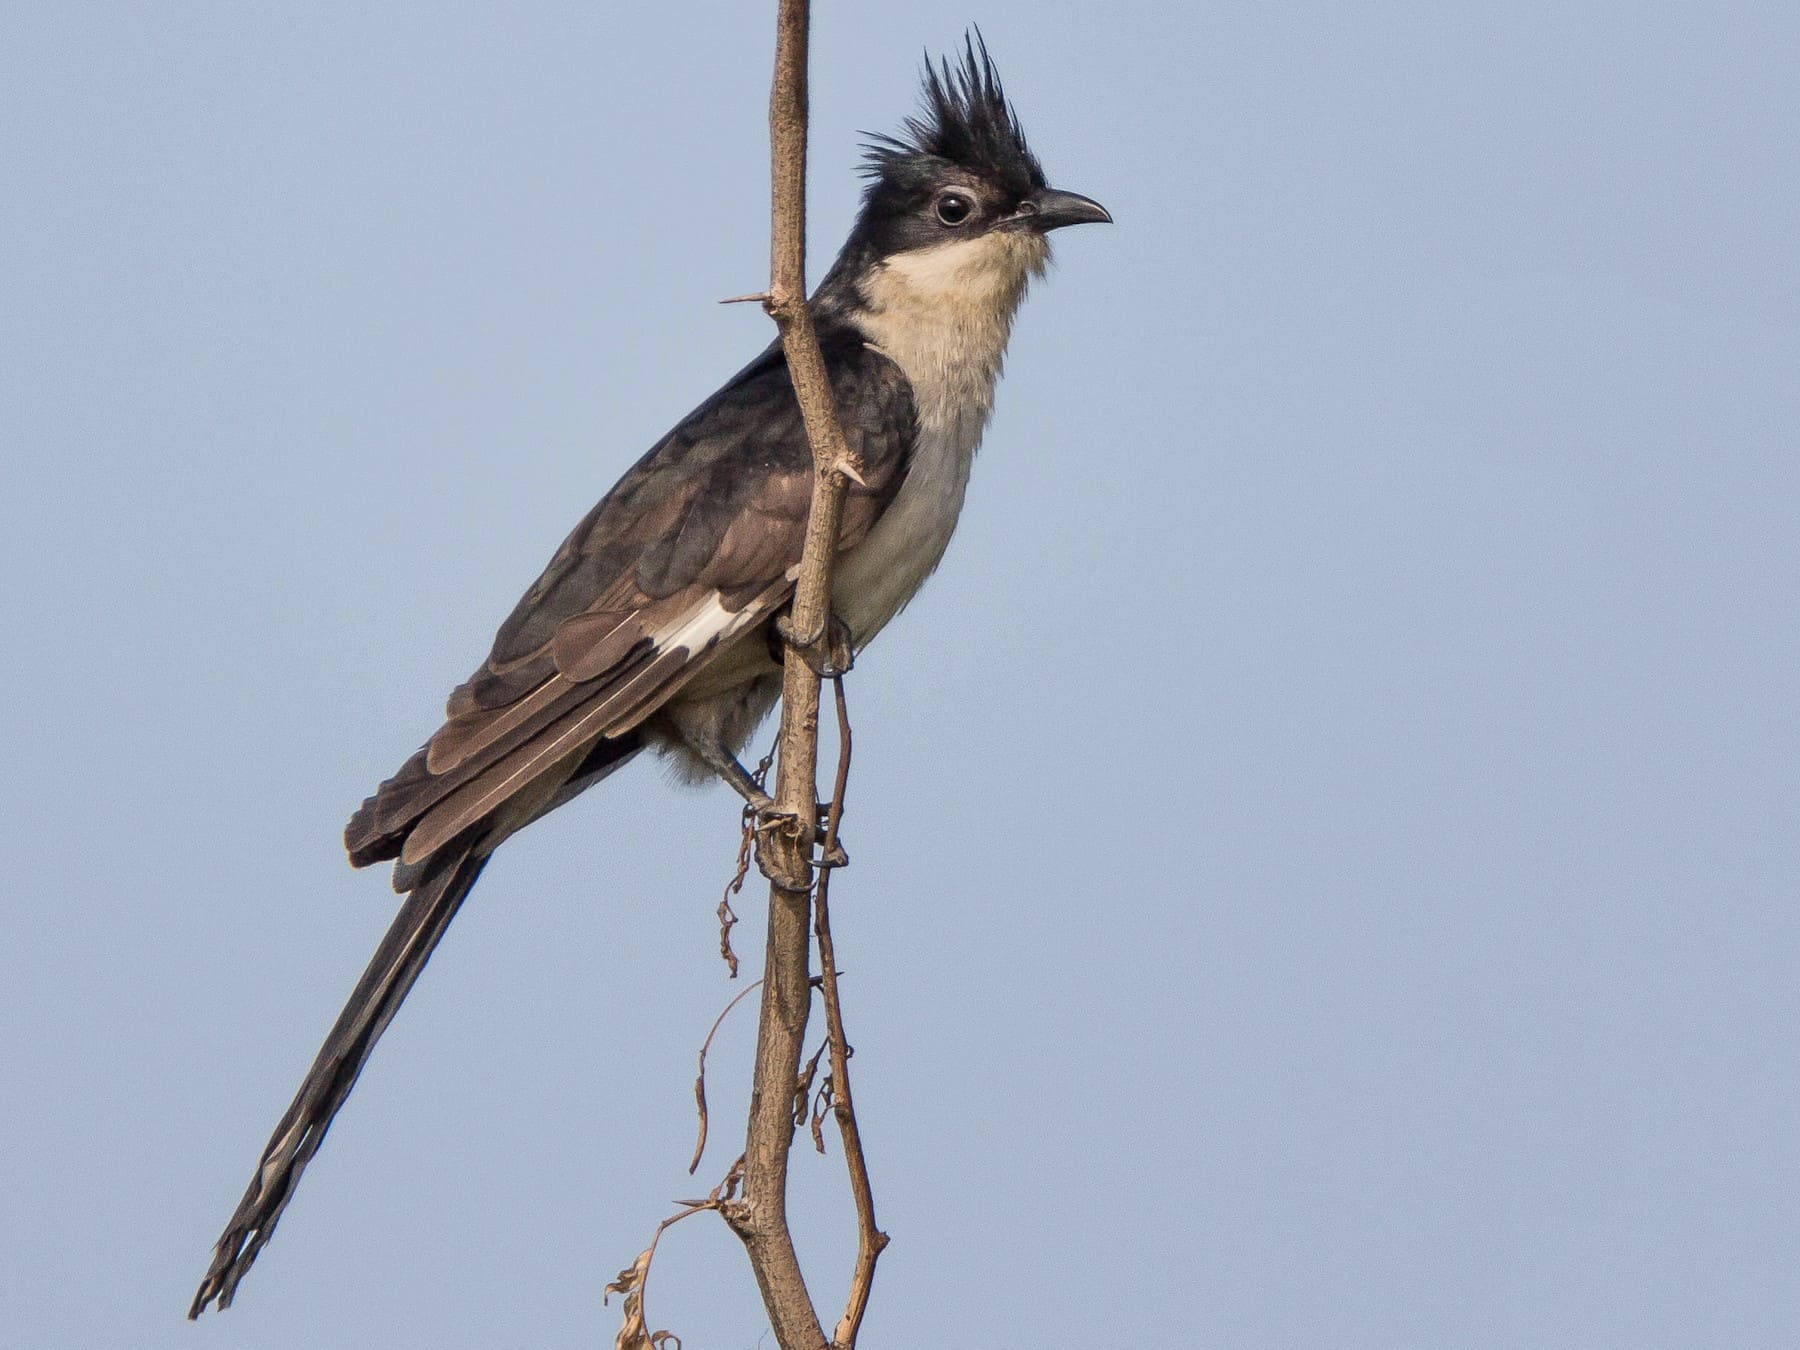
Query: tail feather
[443, 883]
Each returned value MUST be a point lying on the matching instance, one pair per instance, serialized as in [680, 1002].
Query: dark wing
[697, 544]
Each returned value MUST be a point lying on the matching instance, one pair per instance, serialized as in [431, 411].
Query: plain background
[1325, 843]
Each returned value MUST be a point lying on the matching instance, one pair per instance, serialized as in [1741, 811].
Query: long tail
[426, 913]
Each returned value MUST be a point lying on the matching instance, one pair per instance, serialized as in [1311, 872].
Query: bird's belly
[876, 579]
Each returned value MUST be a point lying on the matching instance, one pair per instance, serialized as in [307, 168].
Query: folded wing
[695, 547]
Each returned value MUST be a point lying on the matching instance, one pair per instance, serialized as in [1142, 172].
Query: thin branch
[870, 1240]
[761, 1220]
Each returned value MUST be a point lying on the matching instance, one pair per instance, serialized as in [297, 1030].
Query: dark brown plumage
[713, 515]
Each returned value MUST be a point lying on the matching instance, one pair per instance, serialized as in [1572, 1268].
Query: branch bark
[761, 1220]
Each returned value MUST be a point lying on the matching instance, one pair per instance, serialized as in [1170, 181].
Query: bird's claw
[838, 656]
[767, 819]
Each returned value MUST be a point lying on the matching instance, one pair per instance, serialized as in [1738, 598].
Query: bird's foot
[769, 822]
[767, 819]
[828, 653]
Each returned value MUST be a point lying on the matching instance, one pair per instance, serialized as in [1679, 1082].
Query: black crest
[965, 121]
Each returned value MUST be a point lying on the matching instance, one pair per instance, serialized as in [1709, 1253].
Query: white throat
[942, 315]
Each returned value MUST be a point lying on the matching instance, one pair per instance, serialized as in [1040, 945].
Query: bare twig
[870, 1240]
[762, 1219]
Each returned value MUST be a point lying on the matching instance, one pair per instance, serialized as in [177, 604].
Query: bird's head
[956, 205]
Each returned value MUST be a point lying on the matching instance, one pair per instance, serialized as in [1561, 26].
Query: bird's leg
[766, 814]
[730, 771]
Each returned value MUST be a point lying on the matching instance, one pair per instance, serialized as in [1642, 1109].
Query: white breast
[943, 316]
[875, 580]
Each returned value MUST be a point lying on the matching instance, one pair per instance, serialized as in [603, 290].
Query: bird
[654, 624]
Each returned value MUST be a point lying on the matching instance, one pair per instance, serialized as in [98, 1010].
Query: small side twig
[870, 1240]
[634, 1332]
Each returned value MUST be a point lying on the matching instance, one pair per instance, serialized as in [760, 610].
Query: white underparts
[942, 315]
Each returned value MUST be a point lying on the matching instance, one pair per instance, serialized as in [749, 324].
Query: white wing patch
[675, 659]
[704, 628]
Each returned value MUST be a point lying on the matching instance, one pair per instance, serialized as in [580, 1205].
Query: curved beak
[1051, 210]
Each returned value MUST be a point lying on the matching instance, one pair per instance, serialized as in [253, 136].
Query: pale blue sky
[1325, 843]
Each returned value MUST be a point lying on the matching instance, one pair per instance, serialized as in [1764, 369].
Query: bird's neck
[943, 315]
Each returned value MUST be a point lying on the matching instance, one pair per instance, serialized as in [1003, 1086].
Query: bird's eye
[953, 208]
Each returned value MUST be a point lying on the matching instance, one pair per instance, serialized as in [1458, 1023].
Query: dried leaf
[700, 1108]
[633, 1335]
[700, 1078]
[823, 1102]
[803, 1086]
[630, 1283]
